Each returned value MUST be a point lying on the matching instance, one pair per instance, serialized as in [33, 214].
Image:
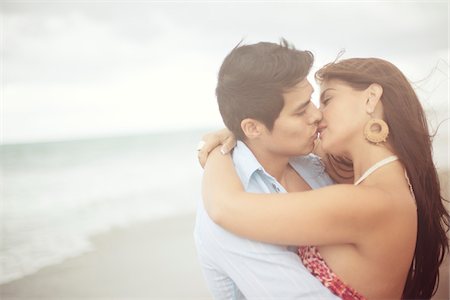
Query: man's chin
[304, 151]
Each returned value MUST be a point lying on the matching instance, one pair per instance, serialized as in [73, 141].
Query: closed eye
[326, 100]
[300, 111]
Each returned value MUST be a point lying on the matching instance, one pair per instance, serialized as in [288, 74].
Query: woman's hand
[212, 140]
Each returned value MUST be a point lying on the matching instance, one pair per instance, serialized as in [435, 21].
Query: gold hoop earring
[376, 131]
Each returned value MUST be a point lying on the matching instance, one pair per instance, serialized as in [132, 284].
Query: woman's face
[344, 116]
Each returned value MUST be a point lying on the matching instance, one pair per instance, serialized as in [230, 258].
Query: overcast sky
[90, 68]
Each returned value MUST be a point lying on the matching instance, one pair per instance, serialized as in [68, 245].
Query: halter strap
[375, 167]
[410, 186]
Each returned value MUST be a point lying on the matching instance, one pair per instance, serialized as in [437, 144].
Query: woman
[383, 237]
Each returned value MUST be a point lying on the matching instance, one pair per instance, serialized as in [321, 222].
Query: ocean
[56, 195]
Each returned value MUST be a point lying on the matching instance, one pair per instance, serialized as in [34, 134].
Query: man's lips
[320, 130]
[321, 127]
[316, 134]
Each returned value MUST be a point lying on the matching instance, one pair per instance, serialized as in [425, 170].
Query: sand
[153, 260]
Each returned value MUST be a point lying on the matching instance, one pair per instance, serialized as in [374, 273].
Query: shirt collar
[245, 163]
[310, 167]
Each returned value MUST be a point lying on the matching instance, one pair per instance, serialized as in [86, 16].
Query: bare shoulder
[363, 205]
[351, 212]
[358, 196]
[375, 207]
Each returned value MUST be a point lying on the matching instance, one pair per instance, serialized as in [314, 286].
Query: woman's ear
[251, 128]
[374, 93]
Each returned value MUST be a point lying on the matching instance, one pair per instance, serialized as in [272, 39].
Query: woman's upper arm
[219, 182]
[331, 215]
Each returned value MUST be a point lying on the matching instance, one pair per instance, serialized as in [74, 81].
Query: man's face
[295, 129]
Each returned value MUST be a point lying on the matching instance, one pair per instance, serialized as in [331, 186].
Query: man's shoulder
[310, 163]
[213, 237]
[312, 169]
[245, 163]
[241, 153]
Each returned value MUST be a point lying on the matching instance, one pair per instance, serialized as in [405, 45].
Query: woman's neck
[366, 155]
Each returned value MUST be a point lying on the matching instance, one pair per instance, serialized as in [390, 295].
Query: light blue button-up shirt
[239, 268]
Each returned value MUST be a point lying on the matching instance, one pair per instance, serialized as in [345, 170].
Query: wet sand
[153, 260]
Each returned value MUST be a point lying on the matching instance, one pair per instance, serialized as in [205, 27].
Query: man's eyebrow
[323, 93]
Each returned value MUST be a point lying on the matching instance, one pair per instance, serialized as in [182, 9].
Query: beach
[150, 260]
[103, 104]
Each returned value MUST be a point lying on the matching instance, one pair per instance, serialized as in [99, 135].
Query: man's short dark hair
[253, 78]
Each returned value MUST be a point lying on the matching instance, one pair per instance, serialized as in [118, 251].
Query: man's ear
[252, 128]
[374, 91]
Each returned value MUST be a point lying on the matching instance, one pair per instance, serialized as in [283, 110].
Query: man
[265, 101]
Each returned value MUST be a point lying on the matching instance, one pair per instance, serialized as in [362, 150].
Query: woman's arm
[335, 214]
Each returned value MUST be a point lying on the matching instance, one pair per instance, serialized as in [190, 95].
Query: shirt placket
[276, 187]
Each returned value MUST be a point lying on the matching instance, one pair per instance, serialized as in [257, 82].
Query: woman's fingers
[211, 140]
[228, 144]
[207, 144]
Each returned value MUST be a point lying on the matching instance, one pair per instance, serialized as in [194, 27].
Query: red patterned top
[314, 262]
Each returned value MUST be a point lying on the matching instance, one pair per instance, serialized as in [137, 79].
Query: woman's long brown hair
[410, 140]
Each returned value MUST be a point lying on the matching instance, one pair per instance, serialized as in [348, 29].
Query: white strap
[376, 166]
[410, 186]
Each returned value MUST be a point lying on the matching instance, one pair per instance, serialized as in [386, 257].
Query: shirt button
[275, 187]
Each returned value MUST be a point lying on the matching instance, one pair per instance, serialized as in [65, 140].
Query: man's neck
[278, 166]
[275, 165]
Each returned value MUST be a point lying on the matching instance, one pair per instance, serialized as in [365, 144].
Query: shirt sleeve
[259, 270]
[220, 285]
